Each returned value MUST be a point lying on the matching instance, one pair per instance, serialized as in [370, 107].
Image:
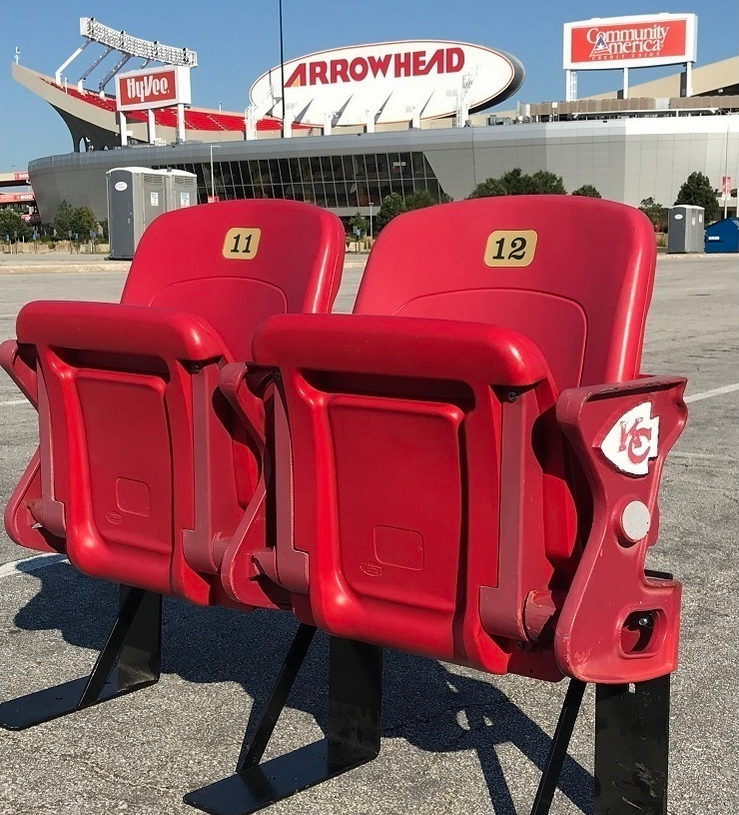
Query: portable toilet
[181, 188]
[723, 236]
[136, 196]
[686, 229]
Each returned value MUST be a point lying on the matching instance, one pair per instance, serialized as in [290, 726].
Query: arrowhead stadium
[344, 128]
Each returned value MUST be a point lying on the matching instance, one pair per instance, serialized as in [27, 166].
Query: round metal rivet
[636, 520]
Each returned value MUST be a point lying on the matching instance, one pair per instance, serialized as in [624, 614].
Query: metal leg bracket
[129, 661]
[631, 748]
[352, 739]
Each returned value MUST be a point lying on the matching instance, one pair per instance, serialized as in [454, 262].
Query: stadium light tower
[127, 46]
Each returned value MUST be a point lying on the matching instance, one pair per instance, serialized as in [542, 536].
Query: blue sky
[237, 41]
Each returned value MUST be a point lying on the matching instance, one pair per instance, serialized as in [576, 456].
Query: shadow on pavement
[423, 702]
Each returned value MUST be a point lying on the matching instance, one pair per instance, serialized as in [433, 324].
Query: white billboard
[637, 41]
[153, 88]
[389, 81]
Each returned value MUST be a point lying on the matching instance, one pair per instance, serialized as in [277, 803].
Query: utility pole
[282, 68]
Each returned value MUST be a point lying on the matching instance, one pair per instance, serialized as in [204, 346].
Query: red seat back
[582, 296]
[426, 498]
[142, 465]
[187, 261]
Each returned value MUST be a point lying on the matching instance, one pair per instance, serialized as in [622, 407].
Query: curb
[63, 268]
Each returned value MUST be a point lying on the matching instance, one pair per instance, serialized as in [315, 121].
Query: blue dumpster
[723, 236]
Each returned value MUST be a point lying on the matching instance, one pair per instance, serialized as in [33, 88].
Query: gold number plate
[242, 243]
[510, 248]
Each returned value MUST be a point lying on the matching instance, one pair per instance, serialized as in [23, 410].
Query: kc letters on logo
[633, 440]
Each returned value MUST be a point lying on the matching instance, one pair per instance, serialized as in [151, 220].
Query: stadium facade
[625, 159]
[629, 149]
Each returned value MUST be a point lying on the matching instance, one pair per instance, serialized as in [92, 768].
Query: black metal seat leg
[353, 737]
[631, 748]
[558, 749]
[129, 661]
[632, 734]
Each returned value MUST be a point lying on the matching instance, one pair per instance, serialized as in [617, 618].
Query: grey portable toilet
[723, 236]
[685, 230]
[182, 189]
[136, 196]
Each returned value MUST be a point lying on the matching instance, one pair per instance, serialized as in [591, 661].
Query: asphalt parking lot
[454, 740]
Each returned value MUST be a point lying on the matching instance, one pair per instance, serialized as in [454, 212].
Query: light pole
[371, 235]
[727, 193]
[282, 68]
[212, 198]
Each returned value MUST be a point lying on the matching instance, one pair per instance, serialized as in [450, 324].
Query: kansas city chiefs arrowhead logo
[633, 440]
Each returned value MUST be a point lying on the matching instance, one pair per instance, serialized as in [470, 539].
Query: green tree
[656, 213]
[545, 183]
[516, 182]
[588, 191]
[392, 206]
[358, 222]
[419, 200]
[63, 219]
[489, 189]
[82, 222]
[13, 226]
[697, 190]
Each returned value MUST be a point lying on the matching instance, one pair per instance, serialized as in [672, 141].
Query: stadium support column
[123, 127]
[181, 123]
[60, 70]
[151, 128]
[250, 124]
[463, 114]
[570, 86]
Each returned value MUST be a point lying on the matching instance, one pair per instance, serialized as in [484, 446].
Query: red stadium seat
[467, 467]
[143, 473]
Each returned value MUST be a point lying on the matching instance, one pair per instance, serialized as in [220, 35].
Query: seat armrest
[118, 329]
[399, 346]
[620, 623]
[21, 368]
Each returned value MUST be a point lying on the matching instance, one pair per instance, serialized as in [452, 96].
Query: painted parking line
[15, 402]
[30, 564]
[696, 397]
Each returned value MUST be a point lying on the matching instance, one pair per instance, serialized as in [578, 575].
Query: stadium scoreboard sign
[155, 88]
[630, 42]
[392, 81]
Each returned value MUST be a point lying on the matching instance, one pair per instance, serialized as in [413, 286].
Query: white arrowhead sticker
[633, 440]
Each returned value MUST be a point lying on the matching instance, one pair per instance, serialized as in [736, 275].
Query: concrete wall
[626, 159]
